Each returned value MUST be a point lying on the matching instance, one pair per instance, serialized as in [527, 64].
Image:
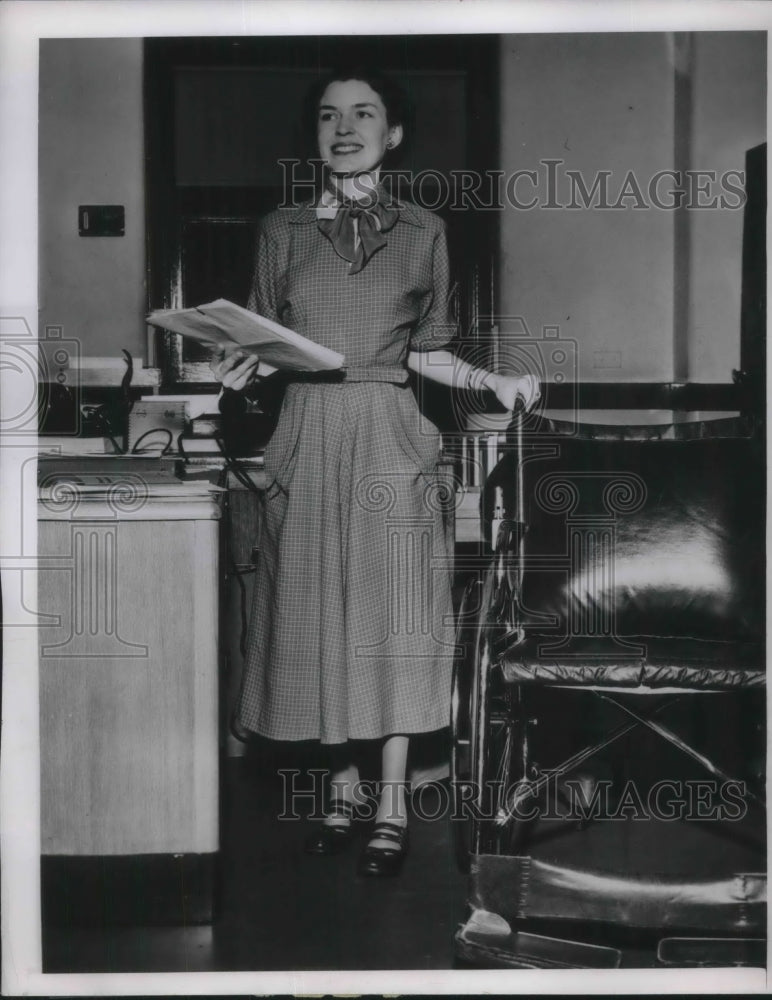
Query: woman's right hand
[235, 369]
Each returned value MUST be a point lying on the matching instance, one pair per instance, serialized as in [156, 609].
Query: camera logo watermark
[508, 346]
[40, 371]
[80, 545]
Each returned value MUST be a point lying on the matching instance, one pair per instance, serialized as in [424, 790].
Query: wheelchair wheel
[462, 720]
[483, 732]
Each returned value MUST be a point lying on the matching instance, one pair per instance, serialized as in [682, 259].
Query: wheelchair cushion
[643, 563]
[660, 663]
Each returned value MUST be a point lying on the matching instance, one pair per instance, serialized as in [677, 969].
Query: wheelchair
[608, 730]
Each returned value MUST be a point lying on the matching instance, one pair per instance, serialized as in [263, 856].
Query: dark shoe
[384, 861]
[332, 838]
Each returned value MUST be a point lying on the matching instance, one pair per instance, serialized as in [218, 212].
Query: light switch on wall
[101, 220]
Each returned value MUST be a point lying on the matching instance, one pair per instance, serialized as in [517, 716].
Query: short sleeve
[262, 293]
[436, 327]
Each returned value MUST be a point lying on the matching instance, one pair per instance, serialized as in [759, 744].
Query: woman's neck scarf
[357, 230]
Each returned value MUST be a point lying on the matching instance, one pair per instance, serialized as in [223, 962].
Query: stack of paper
[225, 325]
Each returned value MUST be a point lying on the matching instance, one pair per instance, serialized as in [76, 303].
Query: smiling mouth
[342, 148]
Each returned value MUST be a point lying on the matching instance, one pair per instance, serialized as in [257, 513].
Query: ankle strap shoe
[385, 861]
[332, 838]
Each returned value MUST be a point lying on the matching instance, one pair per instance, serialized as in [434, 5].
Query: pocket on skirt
[281, 452]
[417, 436]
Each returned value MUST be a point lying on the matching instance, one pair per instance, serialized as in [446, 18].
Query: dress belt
[365, 373]
[376, 373]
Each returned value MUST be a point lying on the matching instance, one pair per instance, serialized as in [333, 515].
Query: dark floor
[282, 910]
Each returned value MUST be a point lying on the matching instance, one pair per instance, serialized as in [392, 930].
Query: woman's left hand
[510, 388]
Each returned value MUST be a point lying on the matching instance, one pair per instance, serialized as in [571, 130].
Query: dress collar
[308, 211]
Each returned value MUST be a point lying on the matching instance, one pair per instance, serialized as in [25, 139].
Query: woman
[351, 636]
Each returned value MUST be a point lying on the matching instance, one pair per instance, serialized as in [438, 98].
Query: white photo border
[22, 24]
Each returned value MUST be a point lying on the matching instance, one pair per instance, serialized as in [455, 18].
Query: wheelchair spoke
[531, 788]
[675, 740]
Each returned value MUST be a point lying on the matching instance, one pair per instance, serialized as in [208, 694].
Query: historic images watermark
[549, 185]
[668, 800]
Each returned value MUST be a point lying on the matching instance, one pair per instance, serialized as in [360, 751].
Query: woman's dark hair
[399, 108]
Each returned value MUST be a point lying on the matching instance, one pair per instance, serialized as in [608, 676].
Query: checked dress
[351, 633]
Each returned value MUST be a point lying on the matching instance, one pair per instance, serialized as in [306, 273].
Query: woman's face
[352, 127]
